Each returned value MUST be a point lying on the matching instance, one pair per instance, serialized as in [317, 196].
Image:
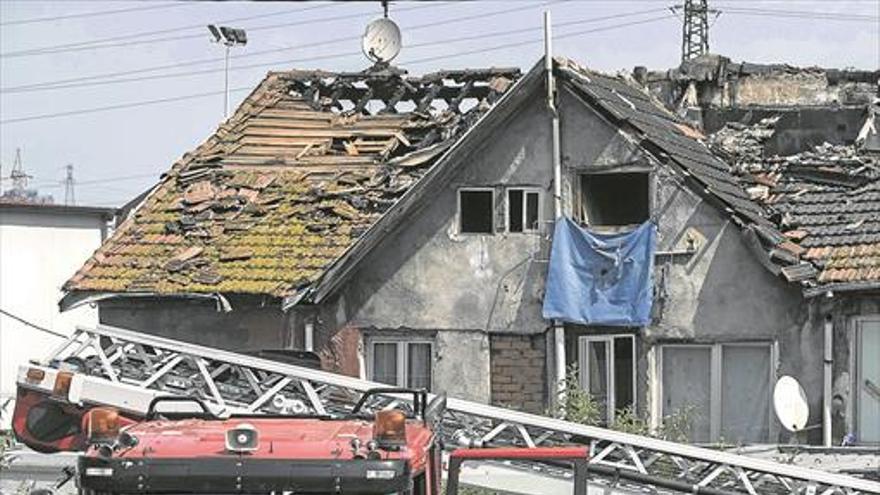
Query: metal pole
[226, 86]
[826, 386]
[558, 328]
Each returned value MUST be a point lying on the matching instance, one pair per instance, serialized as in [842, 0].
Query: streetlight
[229, 37]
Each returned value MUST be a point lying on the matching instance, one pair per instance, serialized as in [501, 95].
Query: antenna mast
[69, 199]
[695, 29]
[19, 178]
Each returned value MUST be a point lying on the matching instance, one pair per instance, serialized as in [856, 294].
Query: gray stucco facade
[476, 298]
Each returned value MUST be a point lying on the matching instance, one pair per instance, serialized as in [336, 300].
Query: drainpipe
[826, 386]
[558, 328]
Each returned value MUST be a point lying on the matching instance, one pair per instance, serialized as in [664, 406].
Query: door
[868, 382]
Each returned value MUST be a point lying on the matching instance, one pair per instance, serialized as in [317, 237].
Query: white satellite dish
[381, 41]
[790, 403]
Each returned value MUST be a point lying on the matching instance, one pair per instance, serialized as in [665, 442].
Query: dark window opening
[476, 210]
[615, 199]
[522, 210]
[515, 210]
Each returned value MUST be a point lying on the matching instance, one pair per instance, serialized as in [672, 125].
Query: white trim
[584, 366]
[401, 345]
[458, 209]
[856, 372]
[716, 364]
[526, 190]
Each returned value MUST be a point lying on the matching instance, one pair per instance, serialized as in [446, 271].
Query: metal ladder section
[126, 369]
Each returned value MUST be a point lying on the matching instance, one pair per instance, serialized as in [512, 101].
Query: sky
[136, 84]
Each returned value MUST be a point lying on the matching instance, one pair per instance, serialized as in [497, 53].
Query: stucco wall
[39, 251]
[253, 324]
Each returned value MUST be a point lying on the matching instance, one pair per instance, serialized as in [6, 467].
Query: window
[725, 389]
[523, 207]
[607, 371]
[614, 199]
[476, 211]
[401, 363]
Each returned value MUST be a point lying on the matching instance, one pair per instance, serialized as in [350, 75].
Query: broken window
[614, 199]
[607, 371]
[723, 390]
[401, 363]
[523, 207]
[476, 211]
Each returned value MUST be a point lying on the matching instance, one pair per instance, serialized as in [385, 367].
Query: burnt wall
[798, 129]
[253, 323]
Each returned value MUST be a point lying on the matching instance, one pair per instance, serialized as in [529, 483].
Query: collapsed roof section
[826, 203]
[286, 185]
[671, 140]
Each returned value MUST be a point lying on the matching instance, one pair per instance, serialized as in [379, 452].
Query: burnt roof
[289, 182]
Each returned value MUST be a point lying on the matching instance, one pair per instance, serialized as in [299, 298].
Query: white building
[41, 246]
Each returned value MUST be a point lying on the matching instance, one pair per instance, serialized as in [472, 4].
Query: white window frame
[458, 208]
[584, 365]
[715, 382]
[402, 357]
[525, 191]
[856, 374]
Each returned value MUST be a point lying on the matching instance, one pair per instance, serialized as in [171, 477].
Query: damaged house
[401, 227]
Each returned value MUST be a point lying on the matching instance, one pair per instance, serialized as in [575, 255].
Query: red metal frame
[578, 457]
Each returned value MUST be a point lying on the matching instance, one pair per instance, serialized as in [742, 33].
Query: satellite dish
[790, 403]
[381, 41]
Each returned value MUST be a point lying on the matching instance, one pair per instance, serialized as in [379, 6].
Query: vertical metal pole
[226, 86]
[309, 337]
[558, 328]
[826, 386]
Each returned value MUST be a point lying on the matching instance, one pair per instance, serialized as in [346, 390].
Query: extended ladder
[127, 369]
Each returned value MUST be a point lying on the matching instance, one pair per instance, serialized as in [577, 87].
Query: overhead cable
[92, 14]
[32, 325]
[80, 44]
[248, 88]
[65, 82]
[74, 84]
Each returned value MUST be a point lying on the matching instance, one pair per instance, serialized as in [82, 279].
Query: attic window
[523, 210]
[476, 211]
[616, 199]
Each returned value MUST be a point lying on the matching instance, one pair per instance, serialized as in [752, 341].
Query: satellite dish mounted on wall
[790, 403]
[381, 41]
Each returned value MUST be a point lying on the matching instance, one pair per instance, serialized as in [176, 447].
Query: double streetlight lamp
[229, 37]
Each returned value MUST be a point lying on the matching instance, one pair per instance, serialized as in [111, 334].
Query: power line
[68, 82]
[92, 14]
[806, 13]
[32, 325]
[32, 88]
[79, 44]
[201, 36]
[417, 61]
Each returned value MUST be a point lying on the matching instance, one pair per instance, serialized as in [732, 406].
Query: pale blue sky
[132, 146]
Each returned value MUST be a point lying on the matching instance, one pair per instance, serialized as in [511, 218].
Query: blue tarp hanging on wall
[600, 279]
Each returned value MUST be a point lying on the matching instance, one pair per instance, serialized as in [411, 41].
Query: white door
[868, 382]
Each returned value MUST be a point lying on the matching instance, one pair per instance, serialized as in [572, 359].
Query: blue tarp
[600, 279]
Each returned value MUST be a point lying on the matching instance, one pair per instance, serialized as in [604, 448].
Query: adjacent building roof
[287, 184]
[665, 134]
[825, 201]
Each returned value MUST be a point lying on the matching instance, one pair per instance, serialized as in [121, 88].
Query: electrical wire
[57, 85]
[66, 82]
[59, 48]
[202, 36]
[416, 61]
[32, 325]
[92, 14]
